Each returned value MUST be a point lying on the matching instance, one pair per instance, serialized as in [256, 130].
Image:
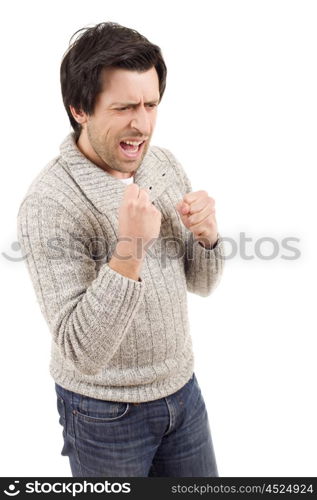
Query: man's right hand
[138, 217]
[139, 223]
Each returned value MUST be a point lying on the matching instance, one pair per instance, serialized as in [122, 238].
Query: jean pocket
[61, 408]
[100, 410]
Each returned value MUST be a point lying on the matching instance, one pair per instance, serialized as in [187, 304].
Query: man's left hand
[197, 211]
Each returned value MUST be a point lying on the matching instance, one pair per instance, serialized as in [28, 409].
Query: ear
[80, 116]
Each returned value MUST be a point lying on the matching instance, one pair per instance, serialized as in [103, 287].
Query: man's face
[125, 110]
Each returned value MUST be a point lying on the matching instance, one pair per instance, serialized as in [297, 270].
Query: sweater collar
[103, 189]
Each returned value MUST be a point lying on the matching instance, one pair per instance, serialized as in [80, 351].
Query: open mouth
[131, 150]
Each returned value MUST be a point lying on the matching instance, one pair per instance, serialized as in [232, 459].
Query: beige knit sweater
[113, 337]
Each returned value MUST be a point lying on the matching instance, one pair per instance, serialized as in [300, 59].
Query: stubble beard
[109, 155]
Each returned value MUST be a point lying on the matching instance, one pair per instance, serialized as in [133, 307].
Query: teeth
[133, 143]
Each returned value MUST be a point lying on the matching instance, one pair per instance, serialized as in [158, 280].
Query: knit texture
[113, 337]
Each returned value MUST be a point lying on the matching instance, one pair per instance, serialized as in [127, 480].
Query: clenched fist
[138, 217]
[139, 226]
[197, 211]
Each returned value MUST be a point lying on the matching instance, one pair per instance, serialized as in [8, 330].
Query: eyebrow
[155, 101]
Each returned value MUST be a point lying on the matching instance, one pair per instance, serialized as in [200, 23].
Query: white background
[240, 114]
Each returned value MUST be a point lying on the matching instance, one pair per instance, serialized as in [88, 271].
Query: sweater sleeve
[88, 313]
[203, 266]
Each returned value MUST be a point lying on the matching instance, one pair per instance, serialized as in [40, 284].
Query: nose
[142, 121]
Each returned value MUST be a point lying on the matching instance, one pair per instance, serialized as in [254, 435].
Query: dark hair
[102, 46]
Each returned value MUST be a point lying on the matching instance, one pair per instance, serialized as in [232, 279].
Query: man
[111, 265]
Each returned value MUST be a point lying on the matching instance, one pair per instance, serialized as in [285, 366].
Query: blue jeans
[167, 437]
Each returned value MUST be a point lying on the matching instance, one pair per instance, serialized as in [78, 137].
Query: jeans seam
[171, 421]
[88, 418]
[63, 412]
[75, 438]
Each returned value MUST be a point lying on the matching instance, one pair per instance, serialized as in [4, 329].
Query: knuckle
[157, 213]
[211, 203]
[144, 193]
[131, 203]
